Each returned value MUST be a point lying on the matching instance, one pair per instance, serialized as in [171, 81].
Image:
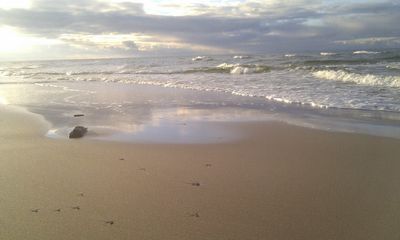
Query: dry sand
[278, 182]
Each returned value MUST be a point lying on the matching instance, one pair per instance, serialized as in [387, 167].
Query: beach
[275, 181]
[199, 120]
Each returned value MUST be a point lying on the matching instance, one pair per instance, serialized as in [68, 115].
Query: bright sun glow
[9, 4]
[3, 101]
[13, 41]
[10, 40]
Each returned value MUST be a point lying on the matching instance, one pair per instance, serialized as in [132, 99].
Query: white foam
[365, 52]
[364, 79]
[198, 58]
[226, 65]
[241, 70]
[290, 55]
[327, 53]
[241, 57]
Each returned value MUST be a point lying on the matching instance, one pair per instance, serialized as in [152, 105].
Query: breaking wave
[244, 69]
[232, 69]
[363, 79]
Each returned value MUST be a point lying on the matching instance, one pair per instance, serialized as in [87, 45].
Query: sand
[276, 182]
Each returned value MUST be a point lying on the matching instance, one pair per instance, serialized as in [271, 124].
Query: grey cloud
[87, 5]
[252, 26]
[369, 8]
[95, 22]
[131, 45]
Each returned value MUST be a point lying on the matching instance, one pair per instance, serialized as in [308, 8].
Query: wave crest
[232, 69]
[244, 68]
[363, 79]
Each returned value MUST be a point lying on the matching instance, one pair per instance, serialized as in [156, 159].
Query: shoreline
[119, 110]
[170, 128]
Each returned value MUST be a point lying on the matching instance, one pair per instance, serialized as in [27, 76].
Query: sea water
[356, 91]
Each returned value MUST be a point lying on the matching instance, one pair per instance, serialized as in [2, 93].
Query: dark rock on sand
[78, 132]
[79, 115]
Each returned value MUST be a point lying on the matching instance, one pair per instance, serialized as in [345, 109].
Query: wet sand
[276, 182]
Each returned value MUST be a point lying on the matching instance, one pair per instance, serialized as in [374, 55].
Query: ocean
[354, 91]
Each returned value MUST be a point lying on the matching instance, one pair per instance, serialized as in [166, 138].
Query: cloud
[389, 41]
[130, 45]
[239, 26]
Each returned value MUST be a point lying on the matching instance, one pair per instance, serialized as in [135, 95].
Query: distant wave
[290, 55]
[394, 66]
[25, 67]
[241, 57]
[365, 52]
[329, 61]
[92, 72]
[340, 61]
[230, 68]
[327, 53]
[200, 58]
[364, 79]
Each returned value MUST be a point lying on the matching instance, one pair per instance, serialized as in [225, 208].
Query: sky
[65, 29]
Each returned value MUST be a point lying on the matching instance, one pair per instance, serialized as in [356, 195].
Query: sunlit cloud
[133, 42]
